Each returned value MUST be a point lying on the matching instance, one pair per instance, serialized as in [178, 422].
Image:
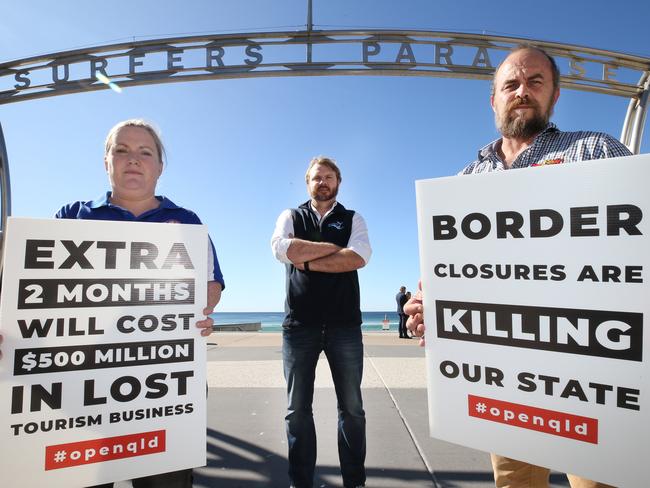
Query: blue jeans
[343, 348]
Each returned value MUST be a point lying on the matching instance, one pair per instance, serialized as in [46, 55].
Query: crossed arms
[322, 256]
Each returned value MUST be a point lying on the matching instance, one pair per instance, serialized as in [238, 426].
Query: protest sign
[535, 293]
[103, 370]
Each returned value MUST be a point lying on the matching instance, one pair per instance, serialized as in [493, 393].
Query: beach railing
[246, 327]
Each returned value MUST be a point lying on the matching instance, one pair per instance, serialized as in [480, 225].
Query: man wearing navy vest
[323, 244]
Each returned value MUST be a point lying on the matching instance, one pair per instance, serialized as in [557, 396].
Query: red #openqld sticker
[106, 449]
[540, 419]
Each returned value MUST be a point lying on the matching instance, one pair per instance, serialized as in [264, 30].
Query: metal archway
[313, 53]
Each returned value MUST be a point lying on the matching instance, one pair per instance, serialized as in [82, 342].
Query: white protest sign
[535, 291]
[103, 370]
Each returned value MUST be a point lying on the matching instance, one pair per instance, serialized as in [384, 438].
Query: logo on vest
[336, 225]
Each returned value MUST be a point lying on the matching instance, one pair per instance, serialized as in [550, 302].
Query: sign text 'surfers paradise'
[306, 53]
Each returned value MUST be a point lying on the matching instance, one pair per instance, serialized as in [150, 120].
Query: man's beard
[515, 126]
[324, 197]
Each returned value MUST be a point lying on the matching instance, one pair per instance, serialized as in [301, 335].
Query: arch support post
[5, 196]
[635, 118]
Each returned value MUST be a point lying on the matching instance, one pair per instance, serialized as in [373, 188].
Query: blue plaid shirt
[551, 146]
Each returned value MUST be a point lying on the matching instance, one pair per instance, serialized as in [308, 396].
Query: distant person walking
[408, 332]
[323, 244]
[401, 300]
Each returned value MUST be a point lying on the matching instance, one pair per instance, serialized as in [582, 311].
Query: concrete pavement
[247, 404]
[246, 408]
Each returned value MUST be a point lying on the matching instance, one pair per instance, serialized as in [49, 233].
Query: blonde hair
[143, 124]
[325, 161]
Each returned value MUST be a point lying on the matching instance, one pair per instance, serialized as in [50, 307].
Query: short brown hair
[325, 161]
[530, 47]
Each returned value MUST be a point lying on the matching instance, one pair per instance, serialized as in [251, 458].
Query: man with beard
[323, 244]
[525, 89]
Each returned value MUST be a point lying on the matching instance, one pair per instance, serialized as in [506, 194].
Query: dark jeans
[343, 347]
[403, 331]
[175, 479]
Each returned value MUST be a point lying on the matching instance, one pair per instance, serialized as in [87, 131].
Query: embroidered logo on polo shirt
[336, 225]
[549, 161]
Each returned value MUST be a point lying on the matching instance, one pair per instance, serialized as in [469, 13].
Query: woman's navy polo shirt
[168, 211]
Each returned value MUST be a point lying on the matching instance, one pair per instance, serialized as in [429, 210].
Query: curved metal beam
[635, 117]
[505, 42]
[5, 198]
[303, 53]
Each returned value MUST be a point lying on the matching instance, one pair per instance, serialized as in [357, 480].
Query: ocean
[272, 321]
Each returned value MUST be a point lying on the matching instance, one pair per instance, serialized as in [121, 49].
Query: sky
[238, 149]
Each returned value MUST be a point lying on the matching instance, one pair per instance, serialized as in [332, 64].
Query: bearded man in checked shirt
[525, 88]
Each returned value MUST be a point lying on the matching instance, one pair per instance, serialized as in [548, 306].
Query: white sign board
[536, 286]
[103, 371]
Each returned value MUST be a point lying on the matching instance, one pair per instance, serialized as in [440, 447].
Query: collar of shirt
[104, 201]
[491, 151]
[311, 205]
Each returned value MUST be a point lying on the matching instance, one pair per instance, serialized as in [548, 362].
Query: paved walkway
[246, 408]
